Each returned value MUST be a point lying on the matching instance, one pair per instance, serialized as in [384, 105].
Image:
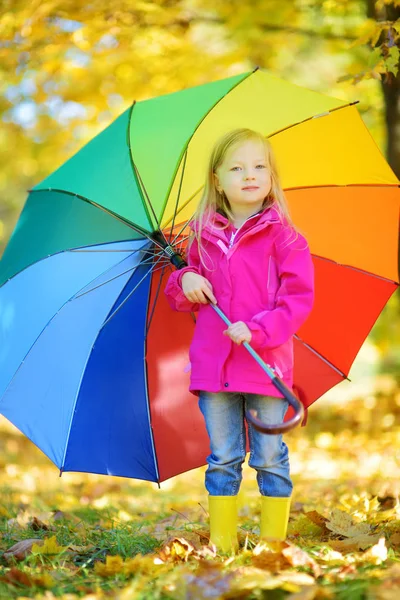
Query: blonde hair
[212, 200]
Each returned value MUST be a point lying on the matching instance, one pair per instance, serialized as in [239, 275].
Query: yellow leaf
[49, 546]
[112, 566]
[177, 549]
[45, 580]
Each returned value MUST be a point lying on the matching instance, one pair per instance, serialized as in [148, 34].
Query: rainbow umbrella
[92, 359]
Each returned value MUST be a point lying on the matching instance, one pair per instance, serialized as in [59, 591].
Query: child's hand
[197, 288]
[238, 332]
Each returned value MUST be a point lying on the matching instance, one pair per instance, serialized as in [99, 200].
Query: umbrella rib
[197, 127]
[339, 185]
[129, 250]
[53, 317]
[149, 271]
[270, 135]
[153, 308]
[362, 271]
[139, 179]
[142, 263]
[178, 195]
[323, 114]
[180, 245]
[79, 249]
[148, 200]
[136, 170]
[146, 388]
[328, 362]
[185, 204]
[180, 231]
[87, 360]
[136, 228]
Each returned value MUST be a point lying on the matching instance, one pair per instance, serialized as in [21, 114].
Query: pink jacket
[265, 279]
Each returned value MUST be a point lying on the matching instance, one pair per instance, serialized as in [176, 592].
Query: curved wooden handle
[272, 429]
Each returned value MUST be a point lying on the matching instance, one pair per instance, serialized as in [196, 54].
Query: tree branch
[278, 28]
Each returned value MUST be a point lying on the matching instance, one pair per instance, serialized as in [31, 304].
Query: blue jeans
[225, 421]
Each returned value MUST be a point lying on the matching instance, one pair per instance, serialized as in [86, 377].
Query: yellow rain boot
[223, 522]
[274, 517]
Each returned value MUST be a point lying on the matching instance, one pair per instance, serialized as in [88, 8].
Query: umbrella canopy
[92, 359]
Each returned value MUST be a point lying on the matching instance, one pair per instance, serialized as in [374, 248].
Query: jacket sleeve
[173, 290]
[295, 295]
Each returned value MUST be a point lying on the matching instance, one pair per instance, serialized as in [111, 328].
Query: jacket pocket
[272, 282]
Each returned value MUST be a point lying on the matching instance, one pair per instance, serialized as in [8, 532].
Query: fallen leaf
[299, 558]
[21, 549]
[251, 578]
[17, 577]
[59, 515]
[208, 582]
[304, 527]
[112, 566]
[48, 546]
[81, 549]
[145, 565]
[37, 525]
[360, 542]
[176, 549]
[267, 558]
[333, 557]
[342, 524]
[394, 539]
[318, 519]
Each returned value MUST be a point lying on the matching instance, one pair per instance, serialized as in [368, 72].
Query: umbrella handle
[251, 415]
[294, 402]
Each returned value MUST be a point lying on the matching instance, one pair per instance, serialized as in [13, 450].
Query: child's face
[244, 175]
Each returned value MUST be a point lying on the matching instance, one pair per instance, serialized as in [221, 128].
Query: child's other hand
[197, 288]
[238, 332]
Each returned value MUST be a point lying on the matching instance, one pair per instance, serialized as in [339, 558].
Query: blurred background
[67, 69]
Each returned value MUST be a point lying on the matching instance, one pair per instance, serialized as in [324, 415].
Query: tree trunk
[391, 91]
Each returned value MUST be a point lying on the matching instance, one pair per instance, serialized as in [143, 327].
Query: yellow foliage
[49, 546]
[113, 566]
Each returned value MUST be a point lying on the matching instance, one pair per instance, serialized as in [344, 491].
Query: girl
[246, 255]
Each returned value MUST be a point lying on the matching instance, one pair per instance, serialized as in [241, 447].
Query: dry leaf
[176, 549]
[17, 577]
[342, 524]
[208, 582]
[21, 549]
[61, 515]
[360, 542]
[394, 539]
[299, 558]
[269, 559]
[318, 519]
[37, 525]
